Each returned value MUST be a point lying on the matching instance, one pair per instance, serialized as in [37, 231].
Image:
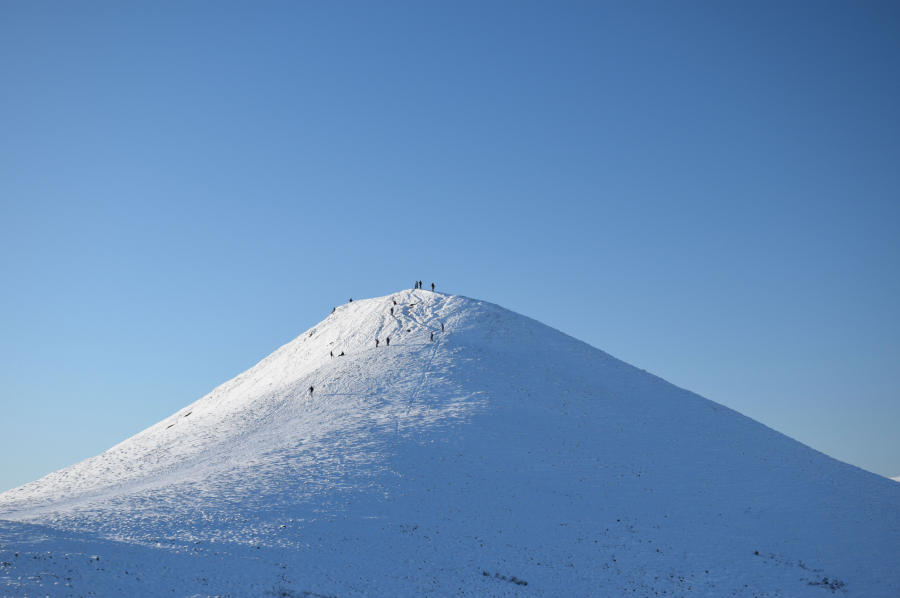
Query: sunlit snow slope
[503, 458]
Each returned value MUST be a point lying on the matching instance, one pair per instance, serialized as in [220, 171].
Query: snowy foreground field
[503, 459]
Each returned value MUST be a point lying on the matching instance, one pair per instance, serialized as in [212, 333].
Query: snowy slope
[503, 459]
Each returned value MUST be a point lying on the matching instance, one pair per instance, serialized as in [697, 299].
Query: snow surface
[503, 459]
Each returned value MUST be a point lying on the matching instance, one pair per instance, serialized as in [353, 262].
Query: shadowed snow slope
[503, 458]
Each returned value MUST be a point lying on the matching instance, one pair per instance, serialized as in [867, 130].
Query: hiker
[432, 337]
[416, 285]
[388, 341]
[310, 390]
[442, 326]
[332, 354]
[432, 287]
[342, 354]
[376, 343]
[392, 311]
[420, 285]
[332, 309]
[395, 301]
[351, 299]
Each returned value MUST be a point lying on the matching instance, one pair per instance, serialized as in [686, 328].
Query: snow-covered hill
[504, 458]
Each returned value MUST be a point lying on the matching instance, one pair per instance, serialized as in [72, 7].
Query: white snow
[504, 452]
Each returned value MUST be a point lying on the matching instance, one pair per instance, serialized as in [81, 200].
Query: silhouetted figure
[376, 343]
[310, 390]
[392, 311]
[342, 354]
[331, 353]
[416, 285]
[332, 309]
[420, 285]
[432, 337]
[351, 300]
[432, 287]
[395, 302]
[442, 326]
[388, 341]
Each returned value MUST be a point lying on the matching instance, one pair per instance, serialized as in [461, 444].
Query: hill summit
[479, 453]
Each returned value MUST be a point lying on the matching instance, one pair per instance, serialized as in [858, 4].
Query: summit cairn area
[478, 453]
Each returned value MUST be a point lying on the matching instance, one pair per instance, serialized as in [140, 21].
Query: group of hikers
[418, 285]
[388, 339]
[388, 343]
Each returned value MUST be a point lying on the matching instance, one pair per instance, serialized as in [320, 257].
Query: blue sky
[708, 191]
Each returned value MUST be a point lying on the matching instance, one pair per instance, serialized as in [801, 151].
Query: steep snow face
[269, 409]
[501, 458]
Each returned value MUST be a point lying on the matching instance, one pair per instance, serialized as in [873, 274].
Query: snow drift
[503, 458]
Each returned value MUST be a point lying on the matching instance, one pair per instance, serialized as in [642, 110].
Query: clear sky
[708, 191]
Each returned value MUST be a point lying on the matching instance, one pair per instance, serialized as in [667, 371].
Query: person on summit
[351, 299]
[376, 343]
[388, 341]
[432, 287]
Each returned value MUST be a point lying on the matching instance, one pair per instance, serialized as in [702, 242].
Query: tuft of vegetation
[822, 582]
[834, 585]
[283, 592]
[513, 579]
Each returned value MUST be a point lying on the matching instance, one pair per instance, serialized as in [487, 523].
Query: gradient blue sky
[708, 191]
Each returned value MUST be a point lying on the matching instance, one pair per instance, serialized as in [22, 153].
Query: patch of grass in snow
[283, 592]
[834, 585]
[513, 579]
